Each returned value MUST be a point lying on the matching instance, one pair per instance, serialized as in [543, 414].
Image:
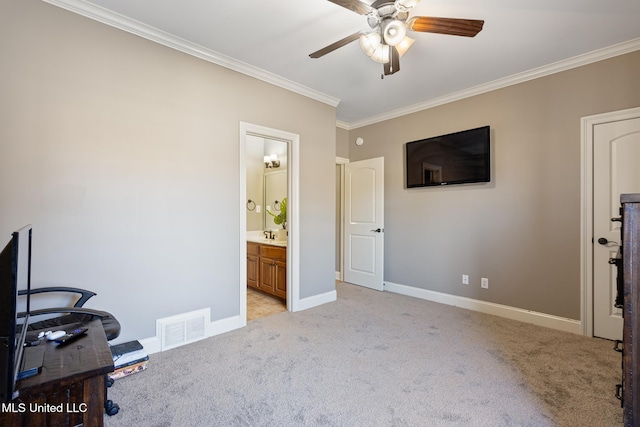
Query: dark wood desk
[70, 390]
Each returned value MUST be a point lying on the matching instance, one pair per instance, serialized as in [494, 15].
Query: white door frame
[586, 214]
[341, 161]
[293, 220]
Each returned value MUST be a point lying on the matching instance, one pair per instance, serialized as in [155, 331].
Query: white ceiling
[272, 39]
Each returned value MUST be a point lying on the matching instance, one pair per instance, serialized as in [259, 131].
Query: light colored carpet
[377, 359]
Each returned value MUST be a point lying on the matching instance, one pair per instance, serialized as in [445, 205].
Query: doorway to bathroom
[266, 165]
[269, 221]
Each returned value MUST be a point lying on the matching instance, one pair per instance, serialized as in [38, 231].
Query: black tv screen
[456, 158]
[15, 275]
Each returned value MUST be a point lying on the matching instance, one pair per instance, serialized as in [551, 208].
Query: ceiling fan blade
[451, 26]
[336, 45]
[354, 5]
[393, 66]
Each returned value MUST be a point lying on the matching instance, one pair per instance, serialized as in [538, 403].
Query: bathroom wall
[255, 182]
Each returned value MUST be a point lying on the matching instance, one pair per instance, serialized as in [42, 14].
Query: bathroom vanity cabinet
[253, 253]
[267, 268]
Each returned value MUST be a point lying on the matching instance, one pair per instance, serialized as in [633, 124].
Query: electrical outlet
[465, 279]
[484, 283]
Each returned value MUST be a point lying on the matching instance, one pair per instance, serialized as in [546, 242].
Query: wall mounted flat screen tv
[456, 158]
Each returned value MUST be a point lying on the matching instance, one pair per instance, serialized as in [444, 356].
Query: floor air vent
[182, 329]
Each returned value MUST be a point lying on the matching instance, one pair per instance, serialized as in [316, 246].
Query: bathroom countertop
[259, 238]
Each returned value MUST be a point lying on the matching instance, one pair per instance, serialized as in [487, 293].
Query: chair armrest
[71, 310]
[84, 298]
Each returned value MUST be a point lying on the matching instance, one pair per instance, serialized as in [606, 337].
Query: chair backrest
[68, 317]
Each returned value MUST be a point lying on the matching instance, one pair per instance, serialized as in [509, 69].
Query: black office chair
[73, 317]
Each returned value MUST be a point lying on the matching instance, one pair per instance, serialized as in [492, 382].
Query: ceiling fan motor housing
[384, 11]
[388, 41]
[388, 20]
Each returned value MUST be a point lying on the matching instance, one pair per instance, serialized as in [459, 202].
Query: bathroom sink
[264, 241]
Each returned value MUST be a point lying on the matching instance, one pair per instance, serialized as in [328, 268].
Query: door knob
[377, 230]
[604, 241]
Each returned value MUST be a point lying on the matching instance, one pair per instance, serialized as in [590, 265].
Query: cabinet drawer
[274, 252]
[253, 248]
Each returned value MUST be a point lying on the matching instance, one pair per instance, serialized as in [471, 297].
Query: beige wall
[123, 155]
[521, 230]
[342, 143]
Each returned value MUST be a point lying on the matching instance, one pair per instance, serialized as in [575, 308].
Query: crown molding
[132, 26]
[342, 125]
[556, 67]
[148, 32]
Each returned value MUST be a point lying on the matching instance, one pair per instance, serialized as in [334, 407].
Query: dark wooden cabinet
[267, 268]
[280, 276]
[630, 255]
[253, 253]
[70, 390]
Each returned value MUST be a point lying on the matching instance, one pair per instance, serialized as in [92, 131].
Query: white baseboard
[528, 316]
[224, 325]
[316, 300]
[153, 344]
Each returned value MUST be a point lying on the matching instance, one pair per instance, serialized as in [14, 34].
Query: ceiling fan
[389, 21]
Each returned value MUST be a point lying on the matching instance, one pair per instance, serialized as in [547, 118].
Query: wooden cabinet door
[267, 268]
[266, 282]
[280, 279]
[253, 270]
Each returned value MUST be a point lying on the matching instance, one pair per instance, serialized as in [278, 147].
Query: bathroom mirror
[266, 166]
[275, 189]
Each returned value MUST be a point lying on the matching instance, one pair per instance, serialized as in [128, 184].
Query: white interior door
[616, 159]
[364, 223]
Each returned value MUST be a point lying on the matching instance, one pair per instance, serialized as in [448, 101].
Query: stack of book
[128, 358]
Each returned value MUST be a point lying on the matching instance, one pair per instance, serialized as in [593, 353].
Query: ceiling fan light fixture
[394, 32]
[369, 43]
[381, 54]
[404, 46]
[405, 5]
[389, 20]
